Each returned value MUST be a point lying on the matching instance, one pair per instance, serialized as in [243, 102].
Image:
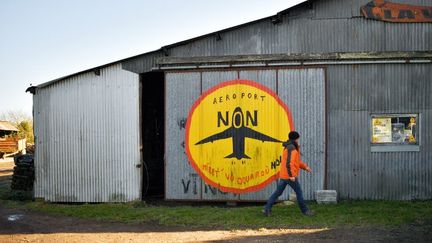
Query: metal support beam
[359, 58]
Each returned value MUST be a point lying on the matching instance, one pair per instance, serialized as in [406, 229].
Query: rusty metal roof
[7, 126]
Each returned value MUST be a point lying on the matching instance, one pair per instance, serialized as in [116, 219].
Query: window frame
[395, 147]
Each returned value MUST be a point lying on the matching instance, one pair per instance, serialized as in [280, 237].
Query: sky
[42, 40]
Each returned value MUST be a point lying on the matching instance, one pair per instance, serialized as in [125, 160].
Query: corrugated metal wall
[208, 80]
[353, 93]
[180, 178]
[305, 35]
[356, 92]
[301, 89]
[87, 139]
[330, 26]
[142, 65]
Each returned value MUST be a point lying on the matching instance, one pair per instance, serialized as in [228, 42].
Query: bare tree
[15, 116]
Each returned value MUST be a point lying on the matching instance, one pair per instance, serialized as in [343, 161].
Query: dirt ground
[18, 225]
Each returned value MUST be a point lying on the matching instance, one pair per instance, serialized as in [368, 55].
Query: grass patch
[345, 213]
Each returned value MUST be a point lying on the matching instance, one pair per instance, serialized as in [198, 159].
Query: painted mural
[234, 133]
[395, 12]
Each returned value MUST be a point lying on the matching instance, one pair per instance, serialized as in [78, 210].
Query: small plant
[139, 204]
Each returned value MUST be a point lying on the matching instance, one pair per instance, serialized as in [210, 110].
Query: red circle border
[198, 102]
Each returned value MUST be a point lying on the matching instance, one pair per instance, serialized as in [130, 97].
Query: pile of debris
[23, 174]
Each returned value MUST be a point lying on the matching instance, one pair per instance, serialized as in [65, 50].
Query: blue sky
[41, 40]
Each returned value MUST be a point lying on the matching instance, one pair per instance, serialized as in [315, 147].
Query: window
[394, 132]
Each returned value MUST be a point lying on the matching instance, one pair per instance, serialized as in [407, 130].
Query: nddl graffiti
[234, 133]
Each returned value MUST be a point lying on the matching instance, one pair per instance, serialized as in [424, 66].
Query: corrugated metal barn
[356, 85]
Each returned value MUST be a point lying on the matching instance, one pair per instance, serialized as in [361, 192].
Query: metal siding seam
[43, 146]
[62, 130]
[47, 149]
[121, 188]
[38, 136]
[92, 134]
[76, 145]
[55, 171]
[112, 162]
[36, 162]
[57, 132]
[70, 144]
[48, 189]
[88, 104]
[39, 146]
[92, 138]
[85, 105]
[115, 171]
[102, 145]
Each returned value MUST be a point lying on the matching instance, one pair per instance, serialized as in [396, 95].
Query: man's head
[293, 135]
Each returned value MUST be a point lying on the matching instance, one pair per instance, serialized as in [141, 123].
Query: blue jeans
[282, 183]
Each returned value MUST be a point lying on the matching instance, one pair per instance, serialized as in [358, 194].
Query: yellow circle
[234, 136]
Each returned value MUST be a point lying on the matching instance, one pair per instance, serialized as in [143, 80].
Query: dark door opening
[152, 133]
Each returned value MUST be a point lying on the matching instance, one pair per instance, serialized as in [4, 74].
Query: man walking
[290, 168]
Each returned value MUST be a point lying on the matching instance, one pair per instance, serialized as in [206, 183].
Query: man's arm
[304, 166]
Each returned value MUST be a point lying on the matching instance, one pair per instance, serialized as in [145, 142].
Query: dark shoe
[266, 213]
[309, 213]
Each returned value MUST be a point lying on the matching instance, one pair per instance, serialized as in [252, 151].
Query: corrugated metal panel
[181, 180]
[142, 64]
[210, 79]
[302, 34]
[87, 144]
[303, 90]
[354, 93]
[338, 9]
[331, 32]
[336, 27]
[269, 79]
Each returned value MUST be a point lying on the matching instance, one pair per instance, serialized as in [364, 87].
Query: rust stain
[397, 13]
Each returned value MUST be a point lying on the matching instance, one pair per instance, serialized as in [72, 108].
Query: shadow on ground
[26, 225]
[35, 224]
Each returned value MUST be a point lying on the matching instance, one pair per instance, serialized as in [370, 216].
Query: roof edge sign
[397, 13]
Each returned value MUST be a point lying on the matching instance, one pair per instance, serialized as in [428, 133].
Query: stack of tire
[23, 175]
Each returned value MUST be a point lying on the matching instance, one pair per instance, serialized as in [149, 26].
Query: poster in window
[398, 133]
[382, 130]
[411, 130]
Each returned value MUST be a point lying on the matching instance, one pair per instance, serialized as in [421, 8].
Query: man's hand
[292, 178]
[308, 169]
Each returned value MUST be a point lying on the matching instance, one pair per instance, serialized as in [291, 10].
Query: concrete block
[292, 197]
[288, 203]
[326, 196]
[231, 204]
